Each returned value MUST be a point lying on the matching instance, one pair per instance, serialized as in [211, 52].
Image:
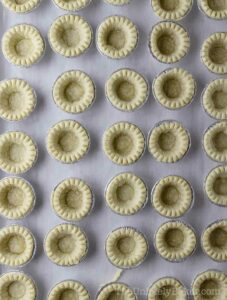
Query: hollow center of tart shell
[125, 90]
[220, 141]
[219, 100]
[15, 152]
[70, 37]
[218, 238]
[20, 2]
[220, 186]
[73, 92]
[217, 5]
[66, 244]
[24, 47]
[123, 144]
[125, 193]
[73, 198]
[69, 294]
[167, 141]
[218, 53]
[126, 245]
[167, 292]
[116, 295]
[14, 102]
[116, 39]
[210, 289]
[14, 197]
[169, 5]
[172, 88]
[16, 244]
[16, 290]
[166, 43]
[174, 238]
[67, 141]
[170, 195]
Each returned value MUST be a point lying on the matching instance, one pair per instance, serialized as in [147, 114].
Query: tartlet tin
[106, 285]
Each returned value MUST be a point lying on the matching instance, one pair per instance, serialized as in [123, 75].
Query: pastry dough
[23, 45]
[115, 290]
[210, 284]
[216, 186]
[126, 247]
[17, 198]
[18, 152]
[167, 286]
[66, 245]
[118, 2]
[123, 143]
[174, 88]
[68, 141]
[72, 199]
[168, 142]
[215, 142]
[169, 42]
[70, 35]
[215, 9]
[74, 92]
[17, 245]
[126, 194]
[69, 290]
[215, 99]
[213, 53]
[171, 9]
[214, 241]
[172, 196]
[17, 99]
[17, 286]
[127, 90]
[117, 37]
[175, 241]
[24, 6]
[72, 5]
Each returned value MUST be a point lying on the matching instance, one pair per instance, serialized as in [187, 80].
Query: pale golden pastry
[175, 241]
[69, 290]
[213, 53]
[126, 247]
[17, 245]
[127, 90]
[215, 142]
[74, 92]
[18, 152]
[167, 288]
[171, 9]
[17, 99]
[216, 185]
[17, 286]
[214, 241]
[210, 284]
[169, 42]
[214, 99]
[168, 141]
[21, 6]
[72, 5]
[126, 194]
[70, 35]
[115, 290]
[72, 199]
[214, 9]
[118, 2]
[117, 37]
[23, 45]
[172, 196]
[17, 198]
[123, 143]
[66, 245]
[68, 141]
[174, 88]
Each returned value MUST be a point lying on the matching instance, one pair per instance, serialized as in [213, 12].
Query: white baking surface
[96, 169]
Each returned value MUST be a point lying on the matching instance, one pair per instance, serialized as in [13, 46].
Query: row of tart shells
[125, 247]
[166, 10]
[117, 37]
[210, 281]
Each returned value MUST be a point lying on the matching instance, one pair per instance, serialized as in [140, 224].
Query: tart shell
[213, 9]
[116, 289]
[23, 8]
[118, 2]
[72, 5]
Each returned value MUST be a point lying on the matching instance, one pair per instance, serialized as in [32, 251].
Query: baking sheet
[96, 169]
